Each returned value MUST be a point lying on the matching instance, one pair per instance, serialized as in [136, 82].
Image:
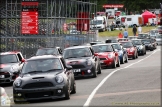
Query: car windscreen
[159, 36]
[96, 22]
[143, 35]
[136, 42]
[102, 48]
[116, 46]
[76, 53]
[11, 58]
[46, 51]
[42, 65]
[146, 41]
[127, 44]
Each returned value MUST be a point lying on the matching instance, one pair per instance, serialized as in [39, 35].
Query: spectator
[139, 29]
[120, 35]
[125, 33]
[134, 30]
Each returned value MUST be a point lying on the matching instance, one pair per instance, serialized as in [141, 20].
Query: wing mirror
[69, 67]
[22, 60]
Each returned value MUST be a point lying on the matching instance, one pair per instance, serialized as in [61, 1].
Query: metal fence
[53, 14]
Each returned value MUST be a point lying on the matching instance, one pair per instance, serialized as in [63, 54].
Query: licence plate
[101, 61]
[2, 76]
[76, 70]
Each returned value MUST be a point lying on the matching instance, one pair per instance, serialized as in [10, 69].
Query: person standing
[125, 33]
[139, 29]
[134, 30]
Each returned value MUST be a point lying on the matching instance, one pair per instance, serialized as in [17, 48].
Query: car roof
[8, 53]
[44, 57]
[136, 39]
[101, 44]
[124, 41]
[81, 46]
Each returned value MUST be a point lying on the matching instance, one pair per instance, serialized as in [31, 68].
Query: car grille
[6, 74]
[103, 59]
[78, 66]
[39, 94]
[37, 85]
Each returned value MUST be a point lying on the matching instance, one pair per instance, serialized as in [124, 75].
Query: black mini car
[83, 61]
[141, 48]
[148, 44]
[44, 77]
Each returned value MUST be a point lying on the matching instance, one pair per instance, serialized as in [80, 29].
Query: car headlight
[59, 79]
[18, 82]
[89, 62]
[14, 69]
[110, 56]
[140, 47]
[131, 50]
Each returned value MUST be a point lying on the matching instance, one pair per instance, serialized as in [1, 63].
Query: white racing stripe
[103, 81]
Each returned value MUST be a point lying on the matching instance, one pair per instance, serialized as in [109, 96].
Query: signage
[29, 17]
[113, 6]
[29, 21]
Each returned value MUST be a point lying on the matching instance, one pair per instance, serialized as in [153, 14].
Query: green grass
[130, 33]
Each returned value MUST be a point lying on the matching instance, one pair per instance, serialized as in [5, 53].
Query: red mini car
[131, 49]
[107, 54]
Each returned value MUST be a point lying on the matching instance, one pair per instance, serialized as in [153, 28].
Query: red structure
[146, 15]
[83, 21]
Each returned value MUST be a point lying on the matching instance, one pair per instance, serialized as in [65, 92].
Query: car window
[47, 51]
[78, 52]
[42, 65]
[116, 46]
[102, 48]
[127, 44]
[146, 41]
[136, 42]
[12, 58]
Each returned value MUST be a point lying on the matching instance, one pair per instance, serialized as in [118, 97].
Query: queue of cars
[51, 73]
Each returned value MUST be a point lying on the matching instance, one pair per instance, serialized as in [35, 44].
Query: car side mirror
[69, 67]
[22, 60]
[116, 50]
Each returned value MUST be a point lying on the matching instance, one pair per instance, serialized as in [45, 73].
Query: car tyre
[99, 69]
[94, 74]
[118, 65]
[74, 89]
[114, 64]
[67, 93]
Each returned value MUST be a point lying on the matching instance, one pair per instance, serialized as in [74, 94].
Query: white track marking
[103, 81]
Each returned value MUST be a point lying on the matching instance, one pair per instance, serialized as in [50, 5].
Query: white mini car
[5, 100]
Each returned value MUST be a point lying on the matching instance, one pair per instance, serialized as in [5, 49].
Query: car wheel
[118, 65]
[114, 64]
[74, 88]
[123, 59]
[126, 59]
[94, 73]
[99, 69]
[67, 93]
[136, 55]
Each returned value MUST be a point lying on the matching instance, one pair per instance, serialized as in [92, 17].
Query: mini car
[132, 37]
[107, 54]
[159, 39]
[143, 36]
[49, 51]
[153, 41]
[141, 48]
[83, 61]
[131, 49]
[121, 52]
[44, 77]
[153, 33]
[148, 44]
[10, 62]
[159, 28]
